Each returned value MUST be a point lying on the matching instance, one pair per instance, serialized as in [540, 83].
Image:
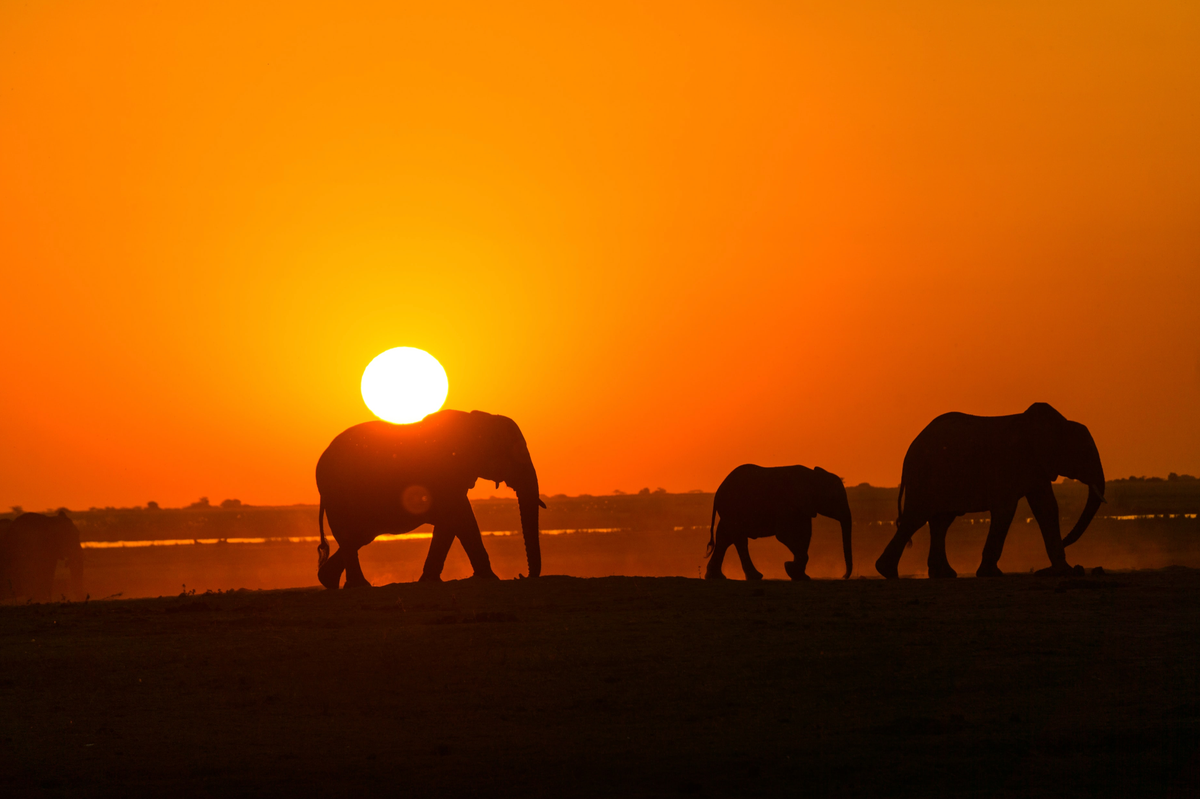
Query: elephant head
[31, 546]
[504, 458]
[831, 501]
[68, 548]
[1067, 448]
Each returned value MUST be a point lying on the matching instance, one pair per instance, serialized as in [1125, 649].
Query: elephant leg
[797, 541]
[467, 530]
[888, 563]
[722, 540]
[42, 588]
[439, 548]
[1045, 510]
[1002, 517]
[939, 566]
[742, 544]
[330, 573]
[354, 573]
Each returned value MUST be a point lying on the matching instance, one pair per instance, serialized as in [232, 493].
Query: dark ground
[1018, 686]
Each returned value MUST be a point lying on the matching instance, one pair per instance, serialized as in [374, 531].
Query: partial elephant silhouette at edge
[759, 501]
[969, 464]
[378, 477]
[31, 546]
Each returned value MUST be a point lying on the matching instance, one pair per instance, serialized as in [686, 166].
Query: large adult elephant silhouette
[969, 464]
[379, 477]
[759, 501]
[31, 547]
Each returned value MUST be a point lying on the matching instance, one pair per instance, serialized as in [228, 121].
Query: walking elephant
[379, 477]
[970, 464]
[757, 501]
[31, 547]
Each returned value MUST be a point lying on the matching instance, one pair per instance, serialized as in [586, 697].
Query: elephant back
[961, 463]
[762, 494]
[379, 456]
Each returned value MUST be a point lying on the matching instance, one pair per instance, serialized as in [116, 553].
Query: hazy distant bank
[1144, 525]
[647, 511]
[165, 570]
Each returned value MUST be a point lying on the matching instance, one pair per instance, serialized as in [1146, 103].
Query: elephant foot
[794, 571]
[887, 569]
[989, 571]
[429, 578]
[713, 575]
[942, 572]
[360, 583]
[754, 576]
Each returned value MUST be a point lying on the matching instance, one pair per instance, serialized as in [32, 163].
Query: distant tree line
[1170, 478]
[646, 511]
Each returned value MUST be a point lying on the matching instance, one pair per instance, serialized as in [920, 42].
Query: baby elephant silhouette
[758, 501]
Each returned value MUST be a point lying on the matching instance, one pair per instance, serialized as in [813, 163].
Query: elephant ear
[841, 480]
[497, 442]
[1045, 433]
[1084, 457]
[511, 442]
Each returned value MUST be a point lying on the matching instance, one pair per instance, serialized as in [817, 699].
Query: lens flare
[404, 384]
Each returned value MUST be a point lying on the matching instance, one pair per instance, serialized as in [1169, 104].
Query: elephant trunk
[528, 502]
[846, 551]
[1095, 497]
[529, 530]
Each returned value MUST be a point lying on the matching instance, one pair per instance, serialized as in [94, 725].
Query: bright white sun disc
[404, 385]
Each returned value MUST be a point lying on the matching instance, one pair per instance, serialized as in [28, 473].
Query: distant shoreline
[645, 511]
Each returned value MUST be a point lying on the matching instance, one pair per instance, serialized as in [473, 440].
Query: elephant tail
[900, 499]
[711, 527]
[323, 547]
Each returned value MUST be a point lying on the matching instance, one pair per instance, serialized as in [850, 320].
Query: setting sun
[404, 384]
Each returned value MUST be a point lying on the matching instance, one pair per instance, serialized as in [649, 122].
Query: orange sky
[665, 238]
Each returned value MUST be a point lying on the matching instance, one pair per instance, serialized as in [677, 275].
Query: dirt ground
[1017, 686]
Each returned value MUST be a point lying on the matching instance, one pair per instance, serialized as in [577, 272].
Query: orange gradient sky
[665, 238]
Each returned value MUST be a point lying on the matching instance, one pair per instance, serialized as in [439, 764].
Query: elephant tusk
[543, 504]
[497, 484]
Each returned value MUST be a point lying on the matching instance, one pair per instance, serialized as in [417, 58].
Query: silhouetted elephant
[378, 477]
[970, 464]
[757, 501]
[31, 547]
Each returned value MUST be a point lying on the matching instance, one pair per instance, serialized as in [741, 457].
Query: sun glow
[404, 384]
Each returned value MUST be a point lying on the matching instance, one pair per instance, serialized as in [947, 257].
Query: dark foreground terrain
[1019, 686]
